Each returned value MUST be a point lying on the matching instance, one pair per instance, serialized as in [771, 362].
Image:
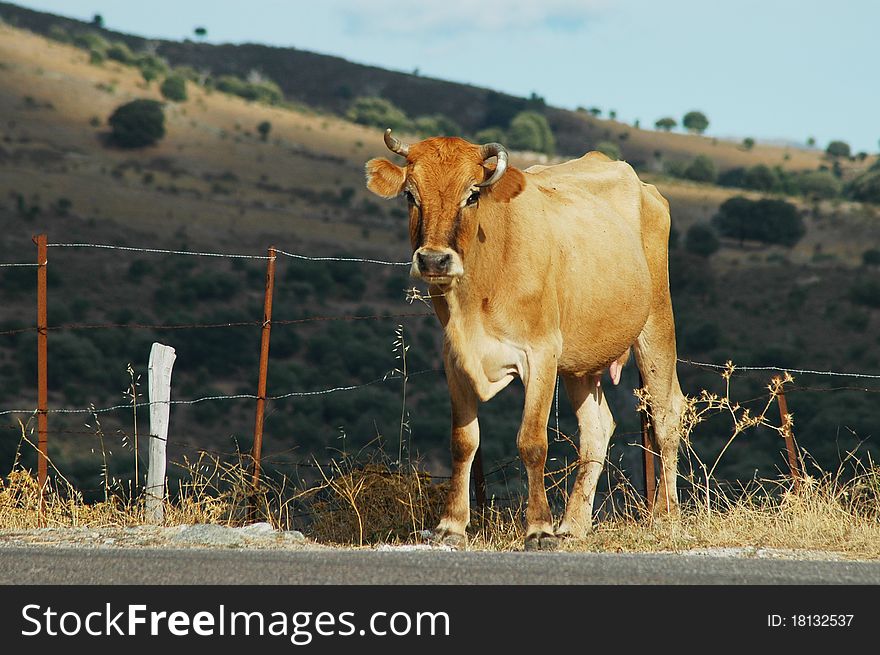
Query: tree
[866, 187]
[761, 178]
[701, 169]
[530, 130]
[200, 32]
[748, 143]
[98, 21]
[818, 184]
[666, 123]
[377, 112]
[871, 257]
[612, 114]
[695, 121]
[174, 88]
[437, 125]
[838, 149]
[701, 240]
[811, 141]
[768, 220]
[137, 124]
[264, 128]
[595, 111]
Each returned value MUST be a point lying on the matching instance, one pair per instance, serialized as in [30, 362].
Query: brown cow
[553, 270]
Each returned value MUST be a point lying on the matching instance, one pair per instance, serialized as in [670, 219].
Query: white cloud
[451, 17]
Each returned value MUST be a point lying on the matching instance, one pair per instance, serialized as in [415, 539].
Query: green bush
[866, 292]
[530, 130]
[767, 220]
[701, 169]
[377, 112]
[437, 125]
[137, 124]
[609, 149]
[490, 135]
[264, 127]
[701, 240]
[152, 67]
[119, 51]
[818, 184]
[761, 178]
[866, 187]
[838, 149]
[871, 257]
[666, 123]
[174, 88]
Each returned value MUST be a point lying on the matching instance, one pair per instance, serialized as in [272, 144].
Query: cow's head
[447, 183]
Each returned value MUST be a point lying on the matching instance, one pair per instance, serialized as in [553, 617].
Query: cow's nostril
[443, 261]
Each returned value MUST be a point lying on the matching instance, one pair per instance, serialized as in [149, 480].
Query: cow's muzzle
[436, 266]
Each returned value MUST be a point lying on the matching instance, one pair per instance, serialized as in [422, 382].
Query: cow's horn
[395, 145]
[494, 150]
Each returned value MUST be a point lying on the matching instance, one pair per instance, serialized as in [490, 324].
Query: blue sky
[769, 69]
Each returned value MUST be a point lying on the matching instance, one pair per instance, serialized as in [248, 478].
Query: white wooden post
[161, 361]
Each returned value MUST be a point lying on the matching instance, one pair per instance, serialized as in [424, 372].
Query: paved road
[205, 566]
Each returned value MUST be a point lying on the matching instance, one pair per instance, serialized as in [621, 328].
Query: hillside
[213, 185]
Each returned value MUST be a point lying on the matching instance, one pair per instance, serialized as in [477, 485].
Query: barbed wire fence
[42, 329]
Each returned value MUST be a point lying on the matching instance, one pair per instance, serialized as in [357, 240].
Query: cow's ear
[384, 178]
[509, 186]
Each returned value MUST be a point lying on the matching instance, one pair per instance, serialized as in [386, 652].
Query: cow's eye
[473, 198]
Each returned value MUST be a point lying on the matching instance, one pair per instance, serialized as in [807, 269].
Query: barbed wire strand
[342, 259]
[781, 369]
[239, 396]
[160, 251]
[22, 264]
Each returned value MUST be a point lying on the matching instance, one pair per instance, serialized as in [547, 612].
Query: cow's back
[589, 211]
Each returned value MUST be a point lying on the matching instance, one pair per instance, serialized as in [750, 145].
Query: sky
[773, 70]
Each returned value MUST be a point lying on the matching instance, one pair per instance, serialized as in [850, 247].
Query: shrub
[490, 135]
[871, 257]
[666, 123]
[866, 292]
[530, 130]
[761, 178]
[137, 124]
[766, 220]
[377, 112]
[609, 149]
[701, 169]
[152, 67]
[748, 143]
[174, 88]
[818, 184]
[119, 51]
[866, 187]
[838, 149]
[437, 125]
[264, 127]
[701, 240]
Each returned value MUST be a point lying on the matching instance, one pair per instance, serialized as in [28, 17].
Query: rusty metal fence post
[264, 366]
[42, 364]
[648, 453]
[790, 446]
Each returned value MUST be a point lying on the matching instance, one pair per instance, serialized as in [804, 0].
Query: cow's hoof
[541, 541]
[445, 538]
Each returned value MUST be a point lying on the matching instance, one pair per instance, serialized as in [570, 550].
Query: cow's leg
[540, 383]
[656, 359]
[463, 444]
[595, 424]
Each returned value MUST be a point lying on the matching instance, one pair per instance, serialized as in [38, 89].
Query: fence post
[790, 447]
[648, 452]
[159, 381]
[42, 364]
[264, 366]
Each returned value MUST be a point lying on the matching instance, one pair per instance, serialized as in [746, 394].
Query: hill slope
[213, 185]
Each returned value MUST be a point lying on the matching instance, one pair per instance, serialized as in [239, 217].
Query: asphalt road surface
[37, 565]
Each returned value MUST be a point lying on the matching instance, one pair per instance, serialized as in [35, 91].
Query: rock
[208, 535]
[294, 535]
[258, 529]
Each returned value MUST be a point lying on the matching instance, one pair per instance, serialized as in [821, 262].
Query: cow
[552, 270]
